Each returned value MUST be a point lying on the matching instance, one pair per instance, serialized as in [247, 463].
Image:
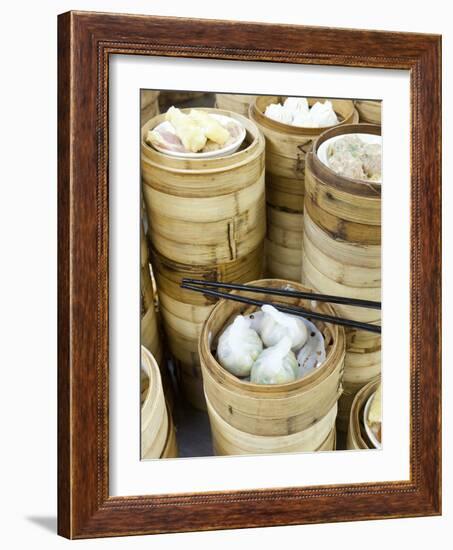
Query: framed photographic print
[249, 275]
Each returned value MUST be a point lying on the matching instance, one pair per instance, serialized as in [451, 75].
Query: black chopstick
[291, 293]
[286, 309]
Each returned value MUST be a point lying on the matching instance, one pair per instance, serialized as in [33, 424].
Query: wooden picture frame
[85, 41]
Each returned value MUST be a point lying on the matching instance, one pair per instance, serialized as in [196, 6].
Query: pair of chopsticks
[207, 288]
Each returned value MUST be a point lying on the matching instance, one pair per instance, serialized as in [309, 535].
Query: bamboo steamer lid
[357, 438]
[206, 211]
[271, 410]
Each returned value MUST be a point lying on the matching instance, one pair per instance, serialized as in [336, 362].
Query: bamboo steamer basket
[286, 147]
[206, 211]
[357, 437]
[155, 425]
[149, 105]
[171, 444]
[341, 255]
[270, 410]
[184, 312]
[237, 103]
[369, 111]
[149, 326]
[176, 98]
[228, 440]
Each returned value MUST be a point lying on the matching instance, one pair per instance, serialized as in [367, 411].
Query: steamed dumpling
[372, 160]
[352, 157]
[322, 114]
[189, 132]
[211, 127]
[296, 104]
[277, 112]
[276, 325]
[238, 347]
[275, 365]
[313, 352]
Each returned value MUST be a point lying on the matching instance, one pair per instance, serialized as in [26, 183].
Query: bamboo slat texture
[369, 111]
[235, 102]
[245, 416]
[206, 221]
[357, 437]
[157, 429]
[149, 105]
[286, 148]
[342, 256]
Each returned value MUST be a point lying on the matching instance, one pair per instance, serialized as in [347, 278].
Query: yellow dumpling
[211, 127]
[189, 132]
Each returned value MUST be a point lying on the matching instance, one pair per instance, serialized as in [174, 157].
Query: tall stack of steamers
[206, 221]
[270, 208]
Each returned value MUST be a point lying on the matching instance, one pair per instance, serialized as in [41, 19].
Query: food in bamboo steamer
[183, 312]
[251, 418]
[238, 103]
[286, 147]
[369, 111]
[341, 255]
[207, 221]
[357, 435]
[149, 105]
[157, 429]
[206, 211]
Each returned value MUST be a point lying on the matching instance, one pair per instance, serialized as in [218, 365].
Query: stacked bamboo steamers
[248, 418]
[342, 256]
[158, 439]
[206, 221]
[286, 149]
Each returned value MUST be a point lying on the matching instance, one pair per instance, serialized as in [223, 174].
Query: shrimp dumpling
[275, 365]
[277, 112]
[322, 114]
[296, 104]
[238, 347]
[276, 325]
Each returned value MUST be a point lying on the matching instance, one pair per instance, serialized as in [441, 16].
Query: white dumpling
[211, 127]
[277, 112]
[313, 352]
[296, 104]
[322, 114]
[256, 320]
[275, 365]
[276, 325]
[302, 119]
[238, 347]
